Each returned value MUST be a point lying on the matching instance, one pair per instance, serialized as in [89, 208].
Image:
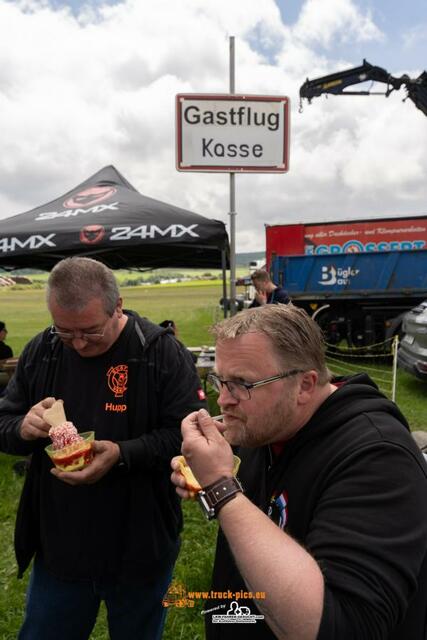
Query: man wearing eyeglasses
[111, 530]
[324, 534]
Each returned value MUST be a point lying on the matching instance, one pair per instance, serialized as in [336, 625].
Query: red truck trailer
[350, 236]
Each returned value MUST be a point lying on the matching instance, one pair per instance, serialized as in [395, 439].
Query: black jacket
[277, 296]
[355, 488]
[127, 524]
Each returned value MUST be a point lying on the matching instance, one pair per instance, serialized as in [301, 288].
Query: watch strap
[120, 462]
[213, 497]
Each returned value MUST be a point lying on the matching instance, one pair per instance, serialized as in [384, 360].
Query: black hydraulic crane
[336, 83]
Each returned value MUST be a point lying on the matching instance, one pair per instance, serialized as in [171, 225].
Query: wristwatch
[216, 495]
[120, 462]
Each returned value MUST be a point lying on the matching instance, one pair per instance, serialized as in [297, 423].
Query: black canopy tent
[106, 218]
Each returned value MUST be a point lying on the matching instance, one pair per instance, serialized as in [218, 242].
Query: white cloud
[80, 92]
[325, 22]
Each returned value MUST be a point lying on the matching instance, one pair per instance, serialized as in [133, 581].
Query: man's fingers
[176, 476]
[38, 422]
[40, 433]
[106, 455]
[74, 478]
[220, 426]
[207, 426]
[63, 476]
[199, 426]
[33, 425]
[184, 494]
[190, 423]
[175, 463]
[46, 403]
[180, 486]
[33, 428]
[178, 479]
[98, 446]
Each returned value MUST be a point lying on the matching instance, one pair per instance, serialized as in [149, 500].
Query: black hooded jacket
[126, 525]
[351, 487]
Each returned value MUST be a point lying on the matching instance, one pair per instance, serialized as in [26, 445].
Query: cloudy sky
[88, 84]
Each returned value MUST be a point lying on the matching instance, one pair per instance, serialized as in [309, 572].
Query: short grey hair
[74, 282]
[296, 338]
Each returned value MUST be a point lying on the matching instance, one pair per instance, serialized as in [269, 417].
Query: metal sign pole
[233, 212]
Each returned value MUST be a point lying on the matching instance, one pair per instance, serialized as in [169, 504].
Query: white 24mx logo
[151, 231]
[31, 242]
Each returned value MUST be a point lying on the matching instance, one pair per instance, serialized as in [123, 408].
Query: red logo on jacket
[117, 378]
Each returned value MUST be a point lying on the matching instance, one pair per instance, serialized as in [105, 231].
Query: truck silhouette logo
[176, 596]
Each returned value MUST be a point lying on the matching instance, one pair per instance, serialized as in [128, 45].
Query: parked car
[412, 353]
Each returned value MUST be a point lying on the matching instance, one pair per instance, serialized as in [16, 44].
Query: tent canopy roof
[106, 218]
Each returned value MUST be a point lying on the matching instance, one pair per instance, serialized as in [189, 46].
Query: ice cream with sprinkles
[64, 434]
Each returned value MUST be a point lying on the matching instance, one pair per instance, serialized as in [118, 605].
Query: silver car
[412, 354]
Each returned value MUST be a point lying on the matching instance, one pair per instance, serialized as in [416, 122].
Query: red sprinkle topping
[63, 435]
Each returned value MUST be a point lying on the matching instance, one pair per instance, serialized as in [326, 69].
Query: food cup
[74, 456]
[191, 483]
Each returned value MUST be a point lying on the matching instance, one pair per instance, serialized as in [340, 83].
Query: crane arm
[336, 83]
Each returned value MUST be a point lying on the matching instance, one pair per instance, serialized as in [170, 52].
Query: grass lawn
[193, 307]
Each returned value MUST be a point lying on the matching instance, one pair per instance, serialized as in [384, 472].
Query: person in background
[325, 538]
[266, 291]
[5, 350]
[5, 353]
[111, 530]
[170, 324]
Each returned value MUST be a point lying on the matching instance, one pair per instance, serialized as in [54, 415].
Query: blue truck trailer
[361, 295]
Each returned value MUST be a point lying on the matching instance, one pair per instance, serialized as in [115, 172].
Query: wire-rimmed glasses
[241, 390]
[87, 336]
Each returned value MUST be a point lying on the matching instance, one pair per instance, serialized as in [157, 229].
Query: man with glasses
[111, 530]
[324, 534]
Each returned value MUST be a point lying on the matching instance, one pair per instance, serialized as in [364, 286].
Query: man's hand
[206, 451]
[179, 481]
[106, 455]
[33, 426]
[261, 297]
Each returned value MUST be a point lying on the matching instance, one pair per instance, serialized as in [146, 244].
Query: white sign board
[232, 133]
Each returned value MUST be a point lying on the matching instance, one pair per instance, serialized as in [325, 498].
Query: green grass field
[194, 307]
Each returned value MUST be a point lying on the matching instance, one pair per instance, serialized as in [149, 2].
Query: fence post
[394, 350]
